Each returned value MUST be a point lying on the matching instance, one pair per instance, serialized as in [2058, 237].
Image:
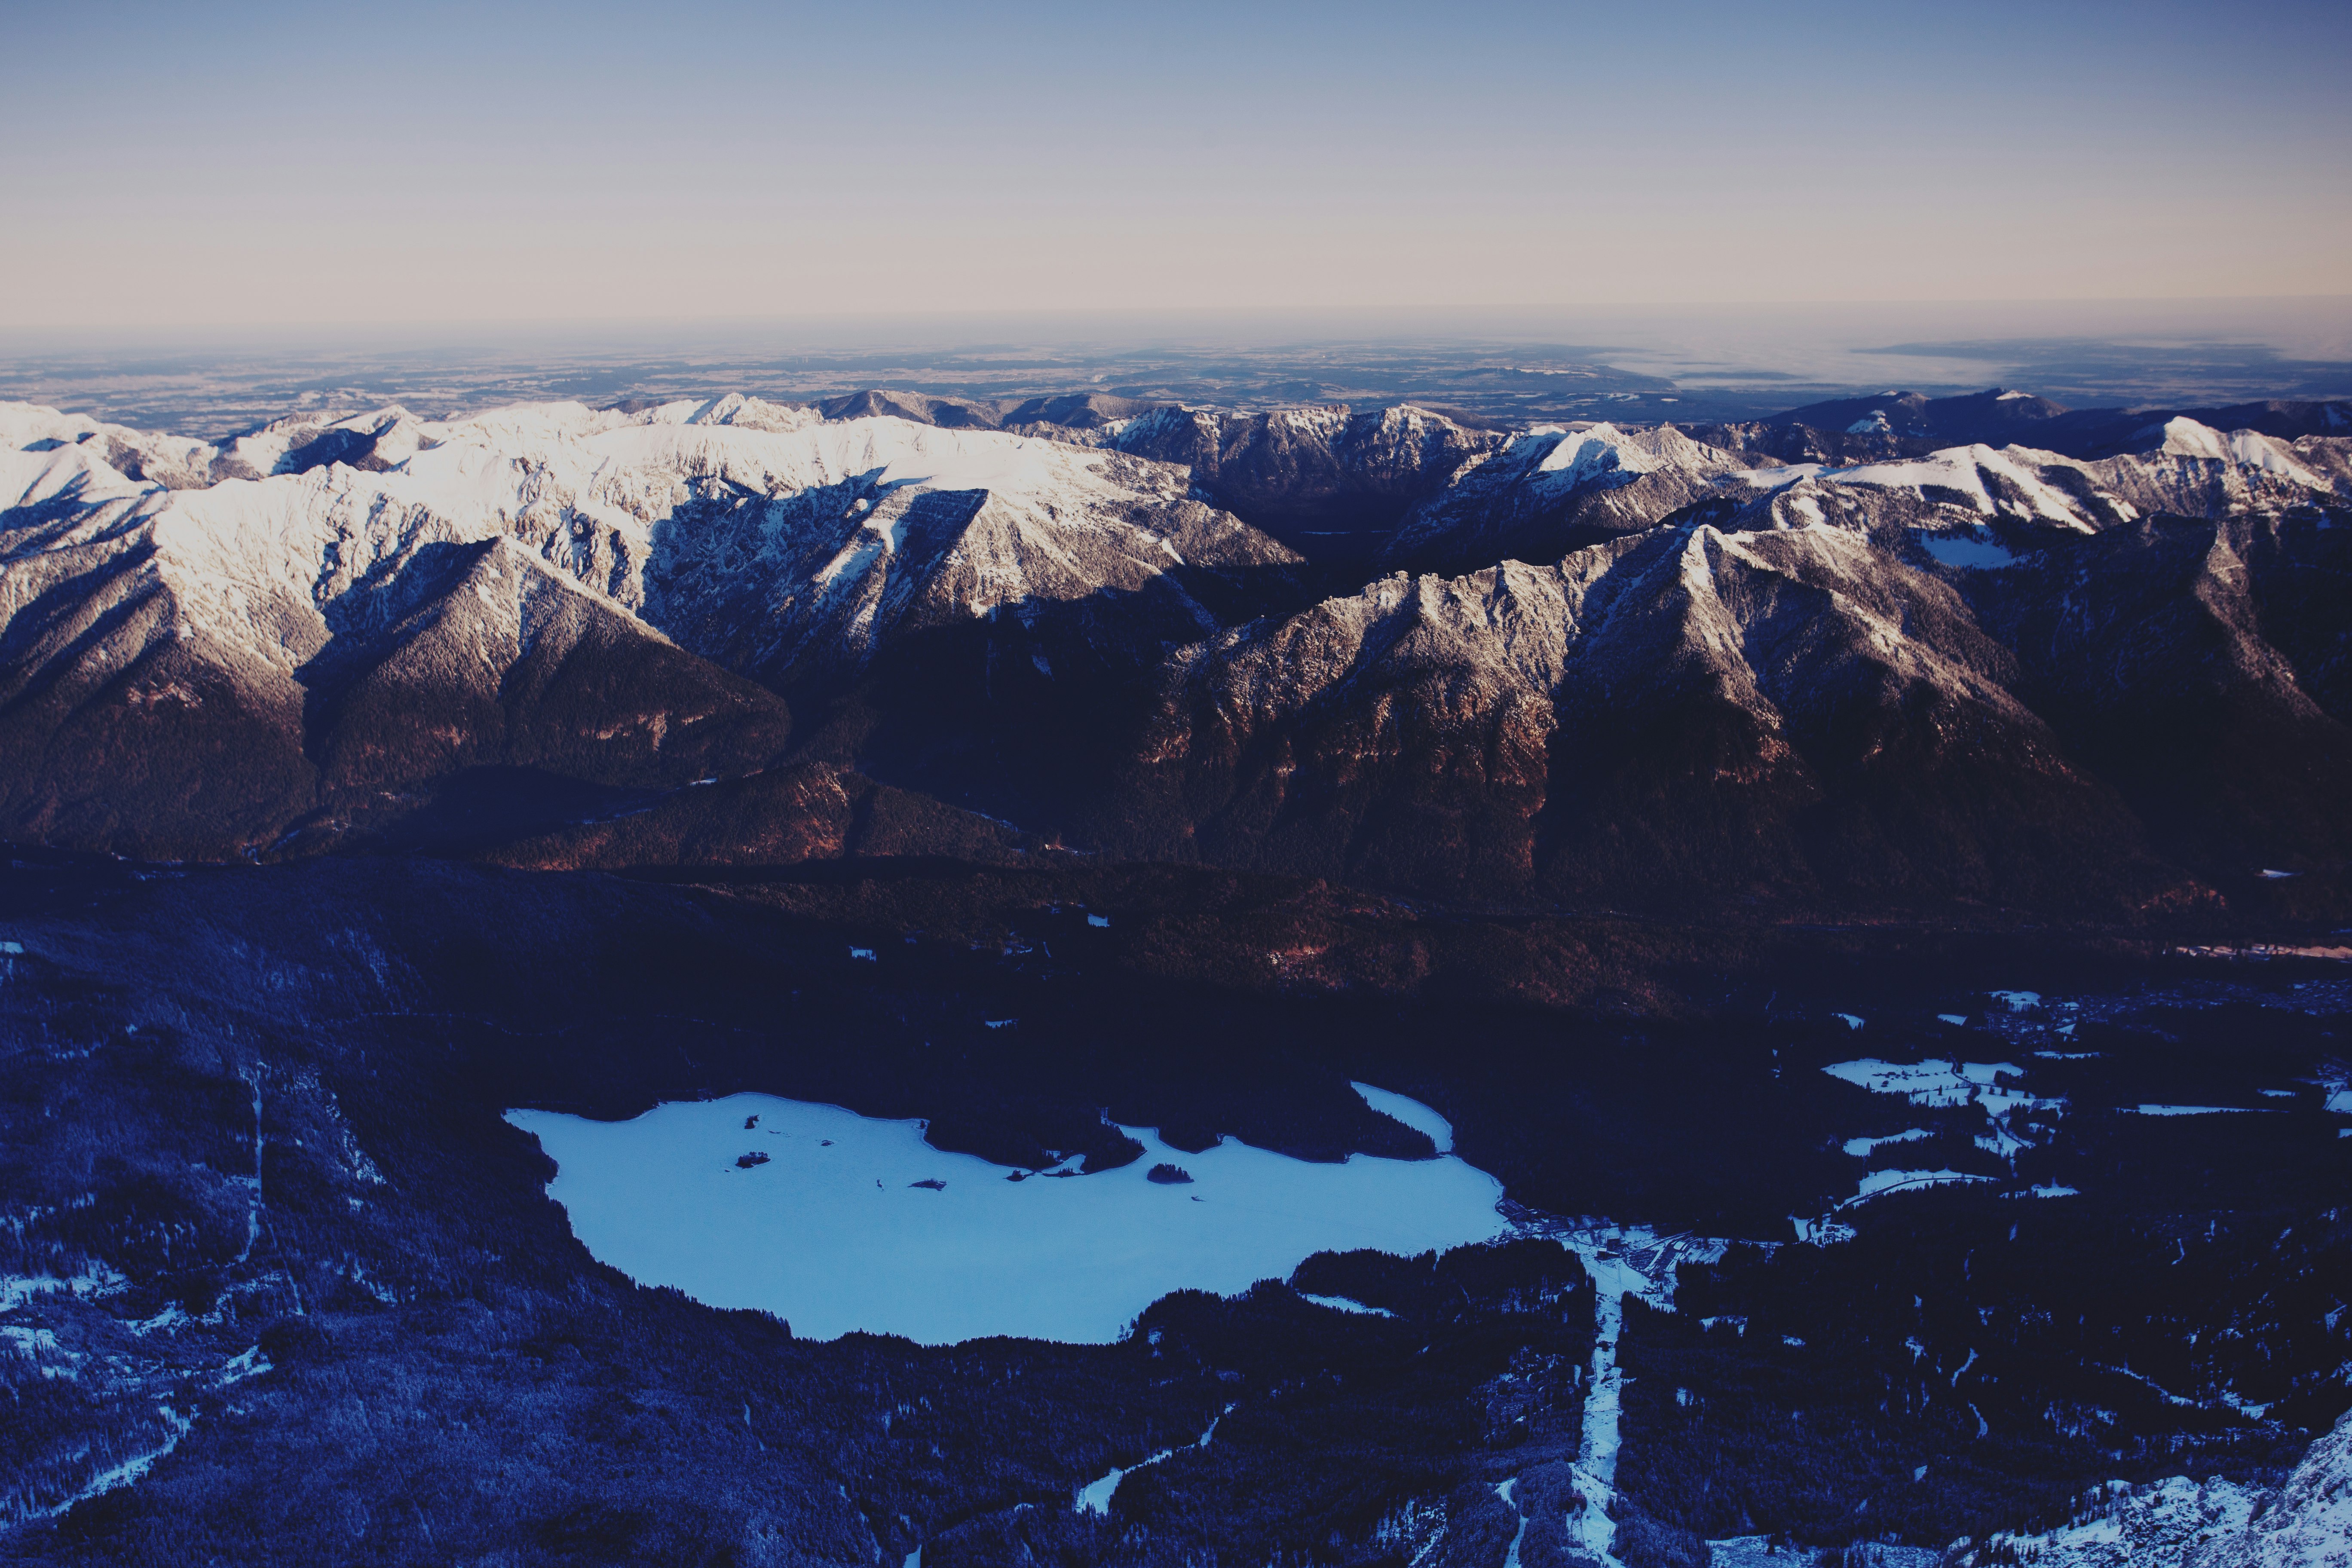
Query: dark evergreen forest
[369, 1336]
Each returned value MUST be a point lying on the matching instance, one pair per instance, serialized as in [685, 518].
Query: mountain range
[1860, 657]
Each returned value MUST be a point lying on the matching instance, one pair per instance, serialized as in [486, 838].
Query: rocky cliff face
[1328, 476]
[1681, 710]
[1598, 665]
[1998, 674]
[209, 668]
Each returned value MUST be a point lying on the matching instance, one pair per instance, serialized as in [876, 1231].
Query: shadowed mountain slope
[1600, 666]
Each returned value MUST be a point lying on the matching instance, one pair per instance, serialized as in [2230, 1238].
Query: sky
[245, 164]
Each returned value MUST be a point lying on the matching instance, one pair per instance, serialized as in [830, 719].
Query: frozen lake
[832, 1234]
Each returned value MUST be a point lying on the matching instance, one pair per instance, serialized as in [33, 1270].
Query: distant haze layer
[1684, 363]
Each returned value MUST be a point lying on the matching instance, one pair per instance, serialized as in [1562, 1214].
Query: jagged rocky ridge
[1983, 674]
[2304, 1522]
[1594, 664]
[206, 648]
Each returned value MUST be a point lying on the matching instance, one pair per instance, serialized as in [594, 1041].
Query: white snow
[97, 1280]
[169, 1321]
[1622, 1260]
[247, 1362]
[834, 1238]
[138, 1464]
[1101, 922]
[261, 560]
[1412, 1112]
[1962, 471]
[1342, 1304]
[1595, 1472]
[2018, 481]
[1932, 1082]
[2185, 437]
[40, 1347]
[2338, 1087]
[2140, 1527]
[1954, 1019]
[1937, 1083]
[1777, 478]
[1859, 1148]
[2016, 1001]
[1601, 452]
[1879, 1181]
[1096, 1495]
[1508, 1492]
[2195, 1109]
[1851, 1020]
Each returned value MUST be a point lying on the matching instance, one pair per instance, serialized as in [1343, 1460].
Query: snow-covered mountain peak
[2011, 483]
[2185, 437]
[736, 410]
[174, 460]
[1582, 457]
[47, 474]
[2195, 471]
[753, 532]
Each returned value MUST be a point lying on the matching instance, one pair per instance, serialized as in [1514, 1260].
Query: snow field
[1934, 1082]
[1937, 1082]
[1096, 1495]
[1412, 1112]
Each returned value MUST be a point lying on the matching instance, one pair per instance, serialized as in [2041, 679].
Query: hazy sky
[206, 166]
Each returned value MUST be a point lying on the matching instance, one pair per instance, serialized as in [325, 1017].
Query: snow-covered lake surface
[1861, 1148]
[831, 1233]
